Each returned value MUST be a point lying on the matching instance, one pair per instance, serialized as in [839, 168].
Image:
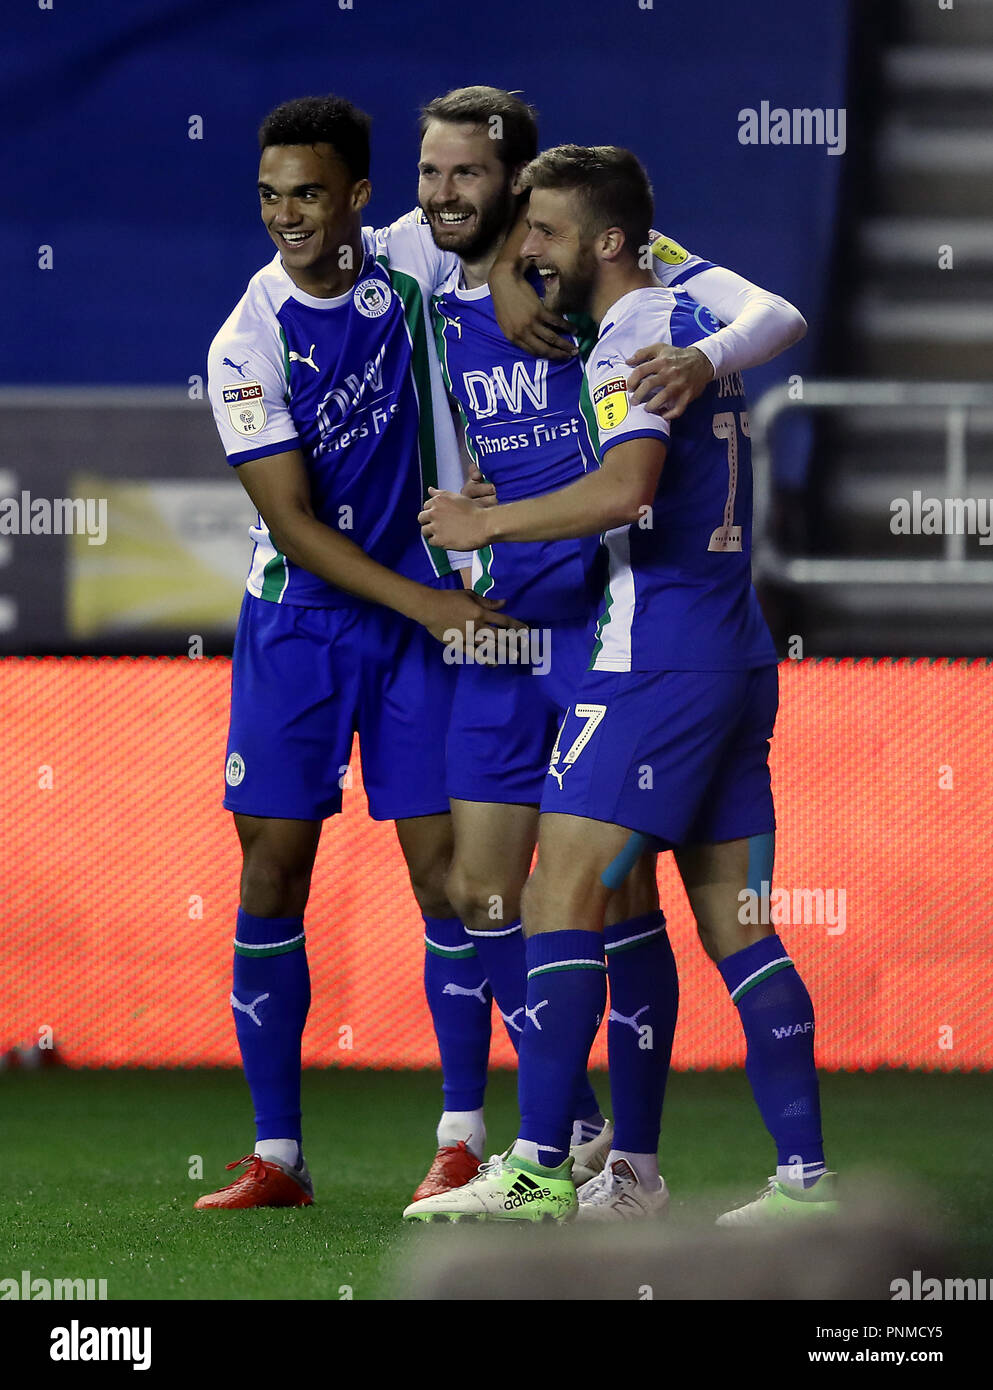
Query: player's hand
[459, 618]
[477, 489]
[668, 378]
[525, 321]
[452, 522]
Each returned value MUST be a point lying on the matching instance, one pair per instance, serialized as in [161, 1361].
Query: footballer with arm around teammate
[504, 717]
[329, 407]
[757, 324]
[682, 680]
[523, 423]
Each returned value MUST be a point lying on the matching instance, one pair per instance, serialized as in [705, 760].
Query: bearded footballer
[682, 680]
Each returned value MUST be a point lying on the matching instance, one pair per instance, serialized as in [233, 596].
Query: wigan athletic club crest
[234, 772]
[245, 407]
[372, 298]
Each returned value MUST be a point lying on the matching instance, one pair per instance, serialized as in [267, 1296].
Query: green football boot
[780, 1204]
[507, 1188]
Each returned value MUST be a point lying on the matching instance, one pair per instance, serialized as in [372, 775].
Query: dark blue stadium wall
[154, 235]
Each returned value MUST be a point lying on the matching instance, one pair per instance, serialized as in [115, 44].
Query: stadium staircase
[920, 193]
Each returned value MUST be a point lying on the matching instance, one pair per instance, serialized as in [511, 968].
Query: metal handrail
[955, 399]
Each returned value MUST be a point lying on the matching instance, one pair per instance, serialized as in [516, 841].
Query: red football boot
[263, 1184]
[452, 1167]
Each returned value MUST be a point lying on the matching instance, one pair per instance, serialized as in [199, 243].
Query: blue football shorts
[304, 680]
[505, 718]
[679, 755]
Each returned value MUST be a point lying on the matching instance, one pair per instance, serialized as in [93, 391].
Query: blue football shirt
[679, 594]
[524, 429]
[352, 382]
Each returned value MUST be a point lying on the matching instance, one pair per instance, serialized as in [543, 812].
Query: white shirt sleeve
[617, 418]
[672, 263]
[409, 246]
[246, 386]
[760, 325]
[460, 559]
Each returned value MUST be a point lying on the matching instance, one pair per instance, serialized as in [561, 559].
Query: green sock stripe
[567, 965]
[759, 976]
[450, 952]
[280, 949]
[632, 943]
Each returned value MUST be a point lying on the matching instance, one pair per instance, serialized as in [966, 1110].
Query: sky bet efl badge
[670, 252]
[245, 407]
[611, 401]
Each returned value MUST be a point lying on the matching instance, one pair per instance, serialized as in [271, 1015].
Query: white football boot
[617, 1195]
[588, 1159]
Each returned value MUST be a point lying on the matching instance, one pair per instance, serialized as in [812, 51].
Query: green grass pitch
[97, 1170]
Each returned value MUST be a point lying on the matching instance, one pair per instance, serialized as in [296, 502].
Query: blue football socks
[644, 1002]
[504, 960]
[778, 1019]
[460, 1000]
[566, 996]
[270, 1000]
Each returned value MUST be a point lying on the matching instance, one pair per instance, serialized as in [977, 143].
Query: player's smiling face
[464, 188]
[562, 255]
[310, 206]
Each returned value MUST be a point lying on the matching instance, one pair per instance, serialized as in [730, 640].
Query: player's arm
[279, 488]
[615, 495]
[759, 326]
[460, 560]
[520, 312]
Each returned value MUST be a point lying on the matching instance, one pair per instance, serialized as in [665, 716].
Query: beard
[493, 221]
[574, 292]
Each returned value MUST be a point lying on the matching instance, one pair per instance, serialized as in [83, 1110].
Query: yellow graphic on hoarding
[175, 557]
